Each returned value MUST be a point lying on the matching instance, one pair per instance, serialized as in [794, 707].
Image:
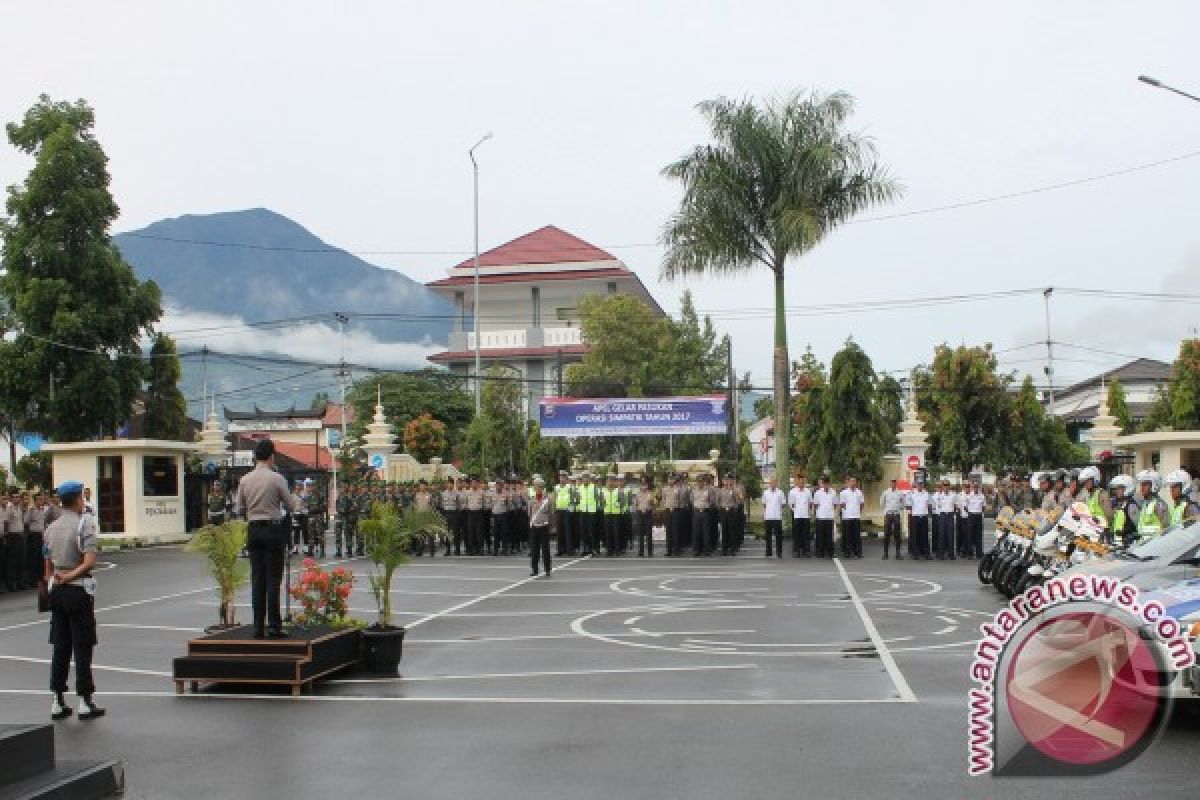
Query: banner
[633, 416]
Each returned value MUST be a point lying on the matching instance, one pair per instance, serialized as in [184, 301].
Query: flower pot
[382, 648]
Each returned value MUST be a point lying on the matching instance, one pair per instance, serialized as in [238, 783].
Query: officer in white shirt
[800, 499]
[974, 502]
[851, 501]
[920, 505]
[943, 507]
[825, 501]
[773, 500]
[892, 502]
[960, 521]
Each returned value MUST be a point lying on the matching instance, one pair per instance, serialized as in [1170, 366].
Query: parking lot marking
[482, 597]
[549, 674]
[569, 701]
[126, 670]
[885, 655]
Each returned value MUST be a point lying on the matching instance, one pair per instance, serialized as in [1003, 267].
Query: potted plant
[387, 536]
[221, 545]
[324, 596]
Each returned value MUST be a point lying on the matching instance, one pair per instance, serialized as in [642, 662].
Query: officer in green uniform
[1182, 507]
[562, 511]
[1123, 522]
[70, 557]
[1153, 514]
[613, 510]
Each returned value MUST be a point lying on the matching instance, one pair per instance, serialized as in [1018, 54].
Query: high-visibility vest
[562, 497]
[1118, 522]
[587, 499]
[612, 501]
[1178, 511]
[1093, 504]
[1149, 525]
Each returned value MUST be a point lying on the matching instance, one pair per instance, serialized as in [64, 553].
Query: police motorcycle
[987, 564]
[1017, 555]
[1075, 537]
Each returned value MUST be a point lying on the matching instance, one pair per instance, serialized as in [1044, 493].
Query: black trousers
[700, 535]
[774, 531]
[918, 536]
[891, 531]
[14, 566]
[612, 533]
[265, 542]
[563, 540]
[499, 533]
[975, 539]
[675, 526]
[943, 540]
[801, 536]
[35, 563]
[643, 524]
[824, 538]
[961, 534]
[728, 530]
[852, 537]
[73, 634]
[474, 532]
[539, 546]
[626, 530]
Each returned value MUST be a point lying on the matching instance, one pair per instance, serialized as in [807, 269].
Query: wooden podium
[235, 656]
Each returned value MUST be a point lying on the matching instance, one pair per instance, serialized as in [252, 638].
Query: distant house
[529, 292]
[301, 435]
[1077, 405]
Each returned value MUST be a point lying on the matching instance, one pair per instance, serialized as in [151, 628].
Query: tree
[808, 377]
[166, 409]
[78, 307]
[408, 395]
[1026, 429]
[1118, 407]
[889, 401]
[747, 467]
[34, 470]
[424, 438]
[850, 431]
[776, 180]
[1177, 405]
[964, 404]
[545, 456]
[494, 442]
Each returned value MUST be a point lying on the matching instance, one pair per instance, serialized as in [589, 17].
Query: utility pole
[732, 426]
[560, 372]
[475, 174]
[1049, 347]
[341, 374]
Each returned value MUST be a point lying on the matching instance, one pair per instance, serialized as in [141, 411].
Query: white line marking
[563, 673]
[534, 637]
[149, 627]
[881, 648]
[328, 698]
[127, 670]
[481, 598]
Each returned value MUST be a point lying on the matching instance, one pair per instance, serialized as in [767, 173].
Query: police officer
[35, 529]
[13, 563]
[1182, 507]
[643, 523]
[851, 502]
[216, 503]
[473, 498]
[613, 499]
[973, 503]
[562, 509]
[704, 503]
[800, 502]
[892, 502]
[589, 503]
[71, 554]
[824, 502]
[726, 509]
[260, 495]
[1153, 514]
[1123, 523]
[670, 504]
[773, 502]
[539, 527]
[943, 509]
[448, 500]
[629, 494]
[920, 507]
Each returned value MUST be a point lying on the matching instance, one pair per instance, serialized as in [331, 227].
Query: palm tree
[776, 179]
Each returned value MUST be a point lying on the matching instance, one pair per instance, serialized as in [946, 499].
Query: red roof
[548, 245]
[309, 455]
[333, 415]
[536, 277]
[511, 352]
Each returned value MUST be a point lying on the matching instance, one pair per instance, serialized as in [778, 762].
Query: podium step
[26, 750]
[69, 780]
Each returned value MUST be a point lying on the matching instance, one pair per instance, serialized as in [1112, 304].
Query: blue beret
[70, 487]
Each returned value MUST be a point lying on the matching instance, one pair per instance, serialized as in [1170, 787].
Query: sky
[355, 118]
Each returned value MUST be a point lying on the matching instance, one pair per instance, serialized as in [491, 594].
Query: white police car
[1182, 602]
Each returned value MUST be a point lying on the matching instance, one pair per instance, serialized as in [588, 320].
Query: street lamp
[475, 172]
[1157, 84]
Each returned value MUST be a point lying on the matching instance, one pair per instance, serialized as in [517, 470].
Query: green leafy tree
[810, 381]
[889, 399]
[777, 178]
[545, 456]
[1118, 407]
[964, 404]
[747, 468]
[849, 437]
[408, 395]
[1026, 431]
[79, 310]
[34, 470]
[1184, 388]
[425, 437]
[166, 409]
[495, 441]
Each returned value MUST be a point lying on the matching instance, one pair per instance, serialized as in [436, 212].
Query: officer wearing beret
[70, 556]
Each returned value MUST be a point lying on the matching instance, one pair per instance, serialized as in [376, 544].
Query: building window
[612, 287]
[460, 309]
[160, 476]
[536, 296]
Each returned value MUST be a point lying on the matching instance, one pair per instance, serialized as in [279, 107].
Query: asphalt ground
[738, 677]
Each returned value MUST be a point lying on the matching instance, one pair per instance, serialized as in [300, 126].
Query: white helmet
[1035, 480]
[1179, 478]
[1151, 477]
[1124, 481]
[1090, 473]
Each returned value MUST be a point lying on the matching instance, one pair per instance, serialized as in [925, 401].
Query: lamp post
[1157, 84]
[475, 174]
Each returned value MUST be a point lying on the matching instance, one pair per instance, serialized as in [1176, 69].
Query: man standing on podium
[262, 495]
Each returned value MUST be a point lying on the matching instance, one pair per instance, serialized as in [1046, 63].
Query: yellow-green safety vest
[1149, 524]
[1178, 511]
[612, 501]
[562, 497]
[1094, 507]
[587, 499]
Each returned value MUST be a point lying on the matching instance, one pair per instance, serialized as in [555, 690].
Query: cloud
[314, 341]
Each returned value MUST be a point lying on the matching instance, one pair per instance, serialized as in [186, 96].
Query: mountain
[259, 265]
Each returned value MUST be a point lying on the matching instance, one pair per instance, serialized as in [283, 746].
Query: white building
[762, 441]
[529, 292]
[1077, 405]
